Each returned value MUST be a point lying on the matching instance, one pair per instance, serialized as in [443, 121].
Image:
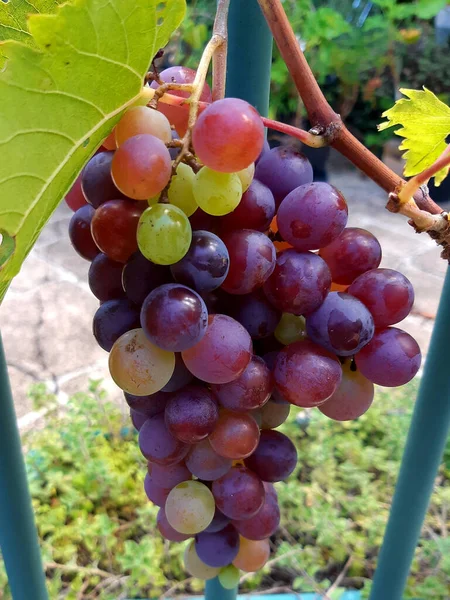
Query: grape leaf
[61, 98]
[425, 122]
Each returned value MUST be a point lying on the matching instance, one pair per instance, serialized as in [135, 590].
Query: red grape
[191, 414]
[169, 476]
[105, 278]
[96, 181]
[255, 210]
[204, 462]
[80, 232]
[263, 524]
[235, 435]
[74, 197]
[275, 457]
[239, 494]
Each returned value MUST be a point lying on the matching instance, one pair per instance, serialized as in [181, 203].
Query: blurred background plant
[97, 529]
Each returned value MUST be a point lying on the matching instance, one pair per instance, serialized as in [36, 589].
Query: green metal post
[248, 77]
[421, 459]
[18, 536]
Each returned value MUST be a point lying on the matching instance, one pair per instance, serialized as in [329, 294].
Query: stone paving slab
[46, 317]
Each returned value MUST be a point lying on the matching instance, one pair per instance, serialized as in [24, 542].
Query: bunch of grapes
[230, 289]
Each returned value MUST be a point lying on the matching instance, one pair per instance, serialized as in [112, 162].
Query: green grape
[139, 367]
[229, 577]
[290, 329]
[164, 234]
[246, 176]
[217, 193]
[195, 567]
[190, 507]
[180, 191]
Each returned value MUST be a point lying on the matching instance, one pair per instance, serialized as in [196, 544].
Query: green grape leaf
[61, 98]
[425, 125]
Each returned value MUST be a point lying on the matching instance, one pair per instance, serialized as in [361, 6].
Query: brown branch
[320, 113]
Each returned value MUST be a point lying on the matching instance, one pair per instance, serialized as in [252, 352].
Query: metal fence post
[421, 459]
[18, 535]
[248, 77]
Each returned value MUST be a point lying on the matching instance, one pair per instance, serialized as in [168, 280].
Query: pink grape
[239, 494]
[275, 457]
[158, 445]
[204, 462]
[352, 398]
[235, 436]
[191, 414]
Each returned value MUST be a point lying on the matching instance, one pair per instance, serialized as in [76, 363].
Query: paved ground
[46, 316]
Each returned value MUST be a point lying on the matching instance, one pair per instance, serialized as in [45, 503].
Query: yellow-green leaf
[425, 122]
[61, 98]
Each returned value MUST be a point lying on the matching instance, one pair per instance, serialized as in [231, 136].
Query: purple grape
[255, 210]
[158, 445]
[239, 494]
[342, 324]
[174, 317]
[191, 414]
[140, 277]
[312, 216]
[270, 359]
[255, 313]
[181, 376]
[147, 405]
[169, 476]
[166, 530]
[388, 295]
[205, 265]
[275, 457]
[174, 152]
[155, 493]
[264, 151]
[204, 462]
[80, 233]
[113, 319]
[105, 278]
[218, 549]
[252, 260]
[250, 390]
[137, 418]
[299, 283]
[391, 359]
[96, 181]
[282, 170]
[218, 523]
[264, 523]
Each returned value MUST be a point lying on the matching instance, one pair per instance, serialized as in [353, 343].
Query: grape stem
[311, 138]
[330, 125]
[220, 55]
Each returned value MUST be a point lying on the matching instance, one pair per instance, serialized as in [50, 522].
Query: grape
[250, 390]
[168, 476]
[74, 197]
[342, 324]
[229, 577]
[110, 142]
[147, 405]
[191, 414]
[105, 278]
[271, 492]
[256, 314]
[96, 181]
[155, 493]
[270, 359]
[299, 282]
[164, 234]
[202, 221]
[141, 167]
[113, 319]
[252, 260]
[205, 265]
[275, 457]
[174, 317]
[180, 192]
[239, 494]
[222, 354]
[306, 374]
[158, 445]
[217, 193]
[181, 376]
[263, 524]
[165, 529]
[282, 170]
[246, 176]
[190, 507]
[80, 232]
[390, 359]
[195, 567]
[228, 136]
[140, 277]
[265, 149]
[178, 74]
[273, 415]
[142, 119]
[352, 398]
[354, 252]
[388, 295]
[138, 419]
[255, 210]
[235, 435]
[312, 216]
[218, 523]
[252, 555]
[114, 227]
[218, 549]
[290, 329]
[137, 366]
[204, 462]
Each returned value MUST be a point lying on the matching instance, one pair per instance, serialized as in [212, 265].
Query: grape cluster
[229, 293]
